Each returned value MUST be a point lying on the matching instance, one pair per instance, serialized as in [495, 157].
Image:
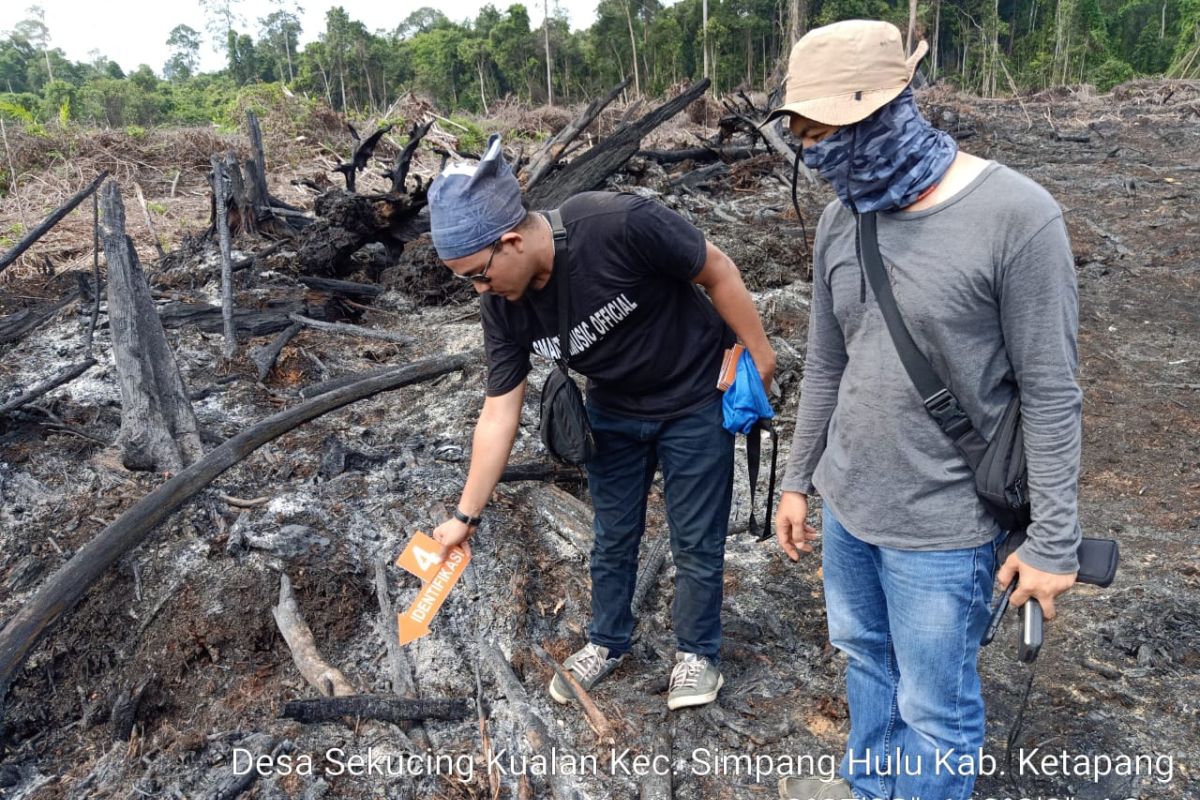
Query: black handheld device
[1031, 632]
[998, 613]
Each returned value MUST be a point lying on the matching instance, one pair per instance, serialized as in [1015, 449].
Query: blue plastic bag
[746, 402]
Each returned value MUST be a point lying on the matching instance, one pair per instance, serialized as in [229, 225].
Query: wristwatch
[466, 520]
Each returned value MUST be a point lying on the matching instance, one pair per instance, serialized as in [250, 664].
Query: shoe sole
[696, 699]
[561, 699]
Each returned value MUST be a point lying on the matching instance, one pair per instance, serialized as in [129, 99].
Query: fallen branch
[238, 502]
[373, 706]
[549, 153]
[366, 291]
[537, 733]
[656, 784]
[265, 357]
[352, 330]
[544, 471]
[64, 589]
[234, 784]
[49, 222]
[65, 375]
[590, 169]
[320, 674]
[595, 717]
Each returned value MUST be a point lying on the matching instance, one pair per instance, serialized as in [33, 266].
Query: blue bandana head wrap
[884, 162]
[471, 206]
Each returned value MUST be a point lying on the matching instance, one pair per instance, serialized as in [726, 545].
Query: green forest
[985, 47]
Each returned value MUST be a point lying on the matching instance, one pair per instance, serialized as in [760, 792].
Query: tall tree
[33, 30]
[185, 53]
[280, 32]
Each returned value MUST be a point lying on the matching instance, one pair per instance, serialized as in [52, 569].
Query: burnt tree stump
[158, 428]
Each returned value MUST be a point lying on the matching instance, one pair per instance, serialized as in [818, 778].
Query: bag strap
[941, 405]
[562, 270]
[753, 456]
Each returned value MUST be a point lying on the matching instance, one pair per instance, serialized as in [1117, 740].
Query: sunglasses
[481, 276]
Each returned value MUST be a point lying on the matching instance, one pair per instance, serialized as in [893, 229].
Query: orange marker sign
[420, 558]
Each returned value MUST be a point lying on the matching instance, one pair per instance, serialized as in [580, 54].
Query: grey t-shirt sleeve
[824, 363]
[1039, 316]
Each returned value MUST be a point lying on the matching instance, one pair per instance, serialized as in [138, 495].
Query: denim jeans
[696, 456]
[910, 621]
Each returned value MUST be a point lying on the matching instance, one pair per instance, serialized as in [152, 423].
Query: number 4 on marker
[421, 557]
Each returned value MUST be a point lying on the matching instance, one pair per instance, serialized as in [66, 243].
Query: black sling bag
[565, 429]
[999, 465]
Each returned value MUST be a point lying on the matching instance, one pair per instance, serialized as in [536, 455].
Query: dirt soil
[187, 616]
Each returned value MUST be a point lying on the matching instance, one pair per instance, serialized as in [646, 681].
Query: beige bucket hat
[842, 73]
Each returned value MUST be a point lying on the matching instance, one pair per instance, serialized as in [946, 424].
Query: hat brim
[852, 107]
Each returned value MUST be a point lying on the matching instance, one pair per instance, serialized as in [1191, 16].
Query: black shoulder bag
[1001, 478]
[565, 429]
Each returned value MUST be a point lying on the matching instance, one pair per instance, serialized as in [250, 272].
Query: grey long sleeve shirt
[986, 284]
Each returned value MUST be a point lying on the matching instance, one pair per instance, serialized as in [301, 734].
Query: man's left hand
[1033, 582]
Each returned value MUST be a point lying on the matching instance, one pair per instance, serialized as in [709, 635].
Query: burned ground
[187, 614]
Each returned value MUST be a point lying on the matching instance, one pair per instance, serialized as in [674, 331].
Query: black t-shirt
[648, 339]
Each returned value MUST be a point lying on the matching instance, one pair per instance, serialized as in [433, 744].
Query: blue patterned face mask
[884, 162]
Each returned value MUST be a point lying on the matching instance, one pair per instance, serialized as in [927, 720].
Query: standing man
[651, 345]
[982, 272]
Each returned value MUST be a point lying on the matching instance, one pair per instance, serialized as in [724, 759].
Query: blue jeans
[910, 621]
[696, 455]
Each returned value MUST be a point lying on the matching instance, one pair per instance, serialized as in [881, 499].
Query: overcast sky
[133, 33]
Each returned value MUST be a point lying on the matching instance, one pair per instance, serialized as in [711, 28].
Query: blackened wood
[91, 330]
[264, 358]
[591, 169]
[249, 322]
[261, 195]
[233, 785]
[15, 327]
[353, 330]
[380, 707]
[697, 154]
[49, 222]
[545, 471]
[158, 427]
[63, 376]
[399, 171]
[537, 733]
[309, 392]
[651, 565]
[64, 589]
[656, 784]
[547, 156]
[221, 192]
[366, 291]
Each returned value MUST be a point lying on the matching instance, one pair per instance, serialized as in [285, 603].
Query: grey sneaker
[589, 666]
[814, 789]
[694, 681]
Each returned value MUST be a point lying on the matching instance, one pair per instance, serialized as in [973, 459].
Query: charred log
[158, 429]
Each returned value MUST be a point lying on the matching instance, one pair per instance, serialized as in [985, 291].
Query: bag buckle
[950, 417]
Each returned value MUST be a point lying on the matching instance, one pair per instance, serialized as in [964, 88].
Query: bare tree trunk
[158, 428]
[937, 32]
[637, 81]
[221, 193]
[704, 40]
[912, 25]
[549, 63]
